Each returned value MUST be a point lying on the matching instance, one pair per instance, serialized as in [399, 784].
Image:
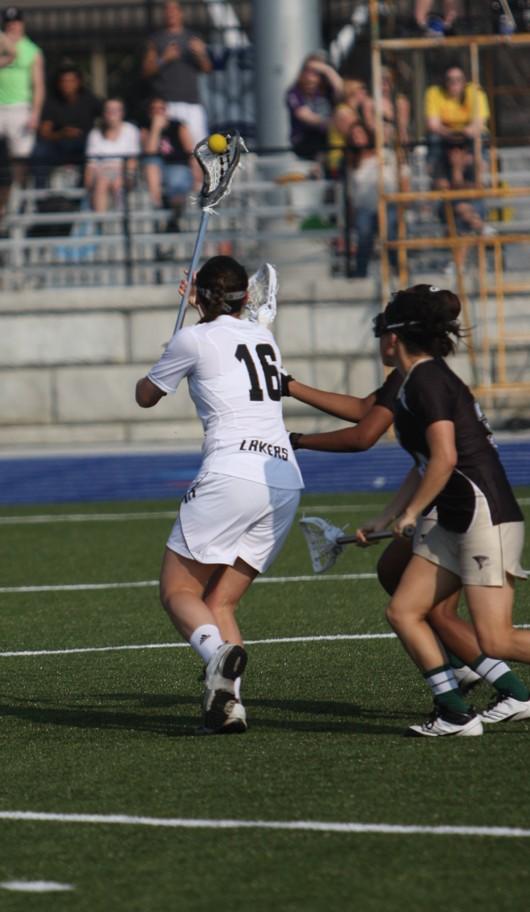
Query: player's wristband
[294, 440]
[285, 379]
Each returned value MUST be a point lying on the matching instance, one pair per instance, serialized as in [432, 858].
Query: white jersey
[233, 371]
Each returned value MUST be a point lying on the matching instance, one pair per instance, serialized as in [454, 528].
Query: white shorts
[482, 556]
[222, 518]
[14, 127]
[193, 115]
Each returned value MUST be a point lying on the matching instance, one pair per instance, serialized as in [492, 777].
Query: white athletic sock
[491, 669]
[205, 640]
[237, 689]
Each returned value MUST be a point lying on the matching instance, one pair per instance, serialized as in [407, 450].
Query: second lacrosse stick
[325, 541]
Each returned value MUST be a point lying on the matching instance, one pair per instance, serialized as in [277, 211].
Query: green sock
[454, 661]
[445, 689]
[500, 675]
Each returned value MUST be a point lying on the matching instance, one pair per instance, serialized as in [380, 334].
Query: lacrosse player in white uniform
[235, 516]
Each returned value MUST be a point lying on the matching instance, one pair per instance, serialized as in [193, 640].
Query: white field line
[139, 646]
[141, 584]
[35, 519]
[393, 829]
[328, 638]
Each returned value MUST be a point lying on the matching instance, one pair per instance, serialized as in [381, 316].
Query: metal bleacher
[131, 245]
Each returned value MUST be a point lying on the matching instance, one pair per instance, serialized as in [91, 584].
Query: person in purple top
[310, 101]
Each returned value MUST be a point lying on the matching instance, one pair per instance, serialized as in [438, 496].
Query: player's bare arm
[340, 405]
[147, 394]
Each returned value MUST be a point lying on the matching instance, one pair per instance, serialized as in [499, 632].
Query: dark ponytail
[221, 287]
[425, 318]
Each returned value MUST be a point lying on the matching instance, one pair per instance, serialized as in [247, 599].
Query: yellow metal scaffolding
[487, 347]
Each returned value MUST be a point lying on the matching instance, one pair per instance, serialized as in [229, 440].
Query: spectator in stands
[311, 101]
[345, 114]
[171, 171]
[396, 111]
[112, 156]
[22, 93]
[456, 113]
[365, 194]
[172, 61]
[68, 116]
[455, 110]
[430, 25]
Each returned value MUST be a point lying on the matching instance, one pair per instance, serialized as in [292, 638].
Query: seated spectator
[365, 195]
[67, 117]
[111, 151]
[396, 111]
[171, 171]
[345, 114]
[456, 113]
[310, 101]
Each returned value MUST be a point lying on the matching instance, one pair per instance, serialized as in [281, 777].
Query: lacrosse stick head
[321, 539]
[262, 294]
[218, 168]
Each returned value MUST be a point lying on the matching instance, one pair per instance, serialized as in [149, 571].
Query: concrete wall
[69, 360]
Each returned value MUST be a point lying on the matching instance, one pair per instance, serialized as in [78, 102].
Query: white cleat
[446, 722]
[220, 712]
[506, 709]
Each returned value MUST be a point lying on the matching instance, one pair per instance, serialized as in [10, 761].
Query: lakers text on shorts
[222, 518]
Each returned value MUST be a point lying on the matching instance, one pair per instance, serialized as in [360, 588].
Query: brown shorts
[483, 556]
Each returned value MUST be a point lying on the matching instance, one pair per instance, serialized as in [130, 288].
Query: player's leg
[226, 587]
[491, 610]
[470, 665]
[423, 585]
[182, 585]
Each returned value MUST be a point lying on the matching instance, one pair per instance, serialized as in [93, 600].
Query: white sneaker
[447, 722]
[226, 664]
[467, 678]
[506, 709]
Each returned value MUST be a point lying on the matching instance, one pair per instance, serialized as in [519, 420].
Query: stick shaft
[370, 536]
[408, 532]
[199, 242]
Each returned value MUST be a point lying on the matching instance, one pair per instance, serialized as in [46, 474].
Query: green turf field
[104, 738]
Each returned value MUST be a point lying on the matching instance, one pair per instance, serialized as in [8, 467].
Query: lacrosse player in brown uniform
[375, 413]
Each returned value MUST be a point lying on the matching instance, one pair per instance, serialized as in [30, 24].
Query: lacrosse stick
[218, 169]
[262, 293]
[325, 541]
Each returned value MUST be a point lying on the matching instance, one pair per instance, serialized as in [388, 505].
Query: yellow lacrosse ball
[217, 143]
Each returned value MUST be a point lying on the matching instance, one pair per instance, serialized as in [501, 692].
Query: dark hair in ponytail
[221, 287]
[425, 318]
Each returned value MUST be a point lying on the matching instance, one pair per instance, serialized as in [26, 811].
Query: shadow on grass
[107, 711]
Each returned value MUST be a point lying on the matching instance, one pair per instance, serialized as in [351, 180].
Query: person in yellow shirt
[456, 110]
[455, 113]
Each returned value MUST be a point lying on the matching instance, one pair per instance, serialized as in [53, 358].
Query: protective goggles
[380, 325]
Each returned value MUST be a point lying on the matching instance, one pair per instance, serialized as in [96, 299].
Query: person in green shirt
[22, 91]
